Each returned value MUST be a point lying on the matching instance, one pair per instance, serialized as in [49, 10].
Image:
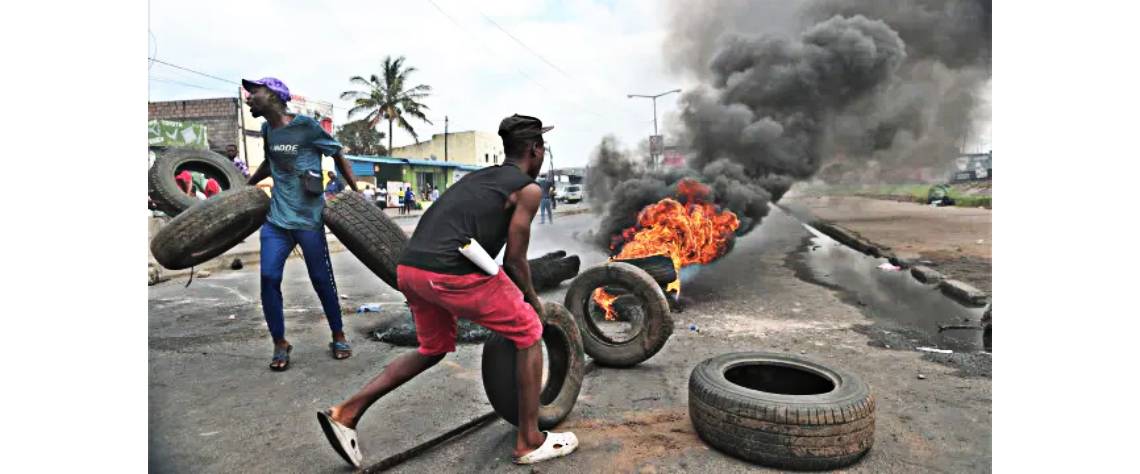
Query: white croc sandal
[556, 445]
[342, 439]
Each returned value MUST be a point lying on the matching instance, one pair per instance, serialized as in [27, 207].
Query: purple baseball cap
[274, 84]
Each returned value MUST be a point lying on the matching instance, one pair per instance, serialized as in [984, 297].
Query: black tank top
[471, 208]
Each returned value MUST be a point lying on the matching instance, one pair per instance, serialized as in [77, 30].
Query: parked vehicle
[571, 195]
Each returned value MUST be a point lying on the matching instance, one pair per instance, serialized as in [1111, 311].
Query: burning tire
[566, 362]
[367, 232]
[652, 327]
[164, 191]
[210, 228]
[781, 411]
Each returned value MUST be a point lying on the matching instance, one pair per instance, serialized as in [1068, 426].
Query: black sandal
[340, 350]
[281, 355]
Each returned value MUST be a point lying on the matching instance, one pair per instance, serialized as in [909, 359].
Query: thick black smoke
[785, 87]
[929, 112]
[770, 102]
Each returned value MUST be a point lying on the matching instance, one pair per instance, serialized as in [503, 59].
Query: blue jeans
[276, 244]
[544, 212]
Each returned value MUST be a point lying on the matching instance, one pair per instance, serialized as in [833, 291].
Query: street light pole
[652, 155]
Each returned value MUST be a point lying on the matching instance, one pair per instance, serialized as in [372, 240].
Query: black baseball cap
[522, 126]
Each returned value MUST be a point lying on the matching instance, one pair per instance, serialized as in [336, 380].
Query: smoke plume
[784, 88]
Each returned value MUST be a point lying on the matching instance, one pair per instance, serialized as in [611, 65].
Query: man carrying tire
[294, 145]
[493, 206]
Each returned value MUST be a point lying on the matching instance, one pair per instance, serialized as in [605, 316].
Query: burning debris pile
[782, 88]
[690, 230]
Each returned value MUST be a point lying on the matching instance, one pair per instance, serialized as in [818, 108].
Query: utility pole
[551, 153]
[652, 155]
[444, 138]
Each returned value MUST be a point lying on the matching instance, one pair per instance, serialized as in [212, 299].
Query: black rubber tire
[210, 228]
[567, 366]
[660, 267]
[657, 325]
[802, 432]
[550, 270]
[164, 191]
[367, 232]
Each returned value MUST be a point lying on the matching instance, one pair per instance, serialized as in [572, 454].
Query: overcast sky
[598, 50]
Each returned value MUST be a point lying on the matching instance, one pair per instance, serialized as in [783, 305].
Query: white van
[571, 194]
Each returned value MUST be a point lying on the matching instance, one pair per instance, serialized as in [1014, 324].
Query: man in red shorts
[493, 206]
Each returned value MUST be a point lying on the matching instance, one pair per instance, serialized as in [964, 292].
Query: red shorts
[438, 299]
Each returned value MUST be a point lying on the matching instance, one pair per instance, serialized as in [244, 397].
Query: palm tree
[387, 97]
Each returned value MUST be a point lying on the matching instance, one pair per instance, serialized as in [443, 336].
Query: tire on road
[566, 362]
[656, 326]
[660, 267]
[367, 232]
[164, 190]
[781, 411]
[210, 228]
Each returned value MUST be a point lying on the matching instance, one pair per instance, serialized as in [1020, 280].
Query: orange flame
[606, 301]
[693, 232]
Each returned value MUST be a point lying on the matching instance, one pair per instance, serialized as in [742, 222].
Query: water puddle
[894, 299]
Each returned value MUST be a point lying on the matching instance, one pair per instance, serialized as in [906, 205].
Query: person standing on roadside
[295, 144]
[409, 200]
[545, 208]
[494, 207]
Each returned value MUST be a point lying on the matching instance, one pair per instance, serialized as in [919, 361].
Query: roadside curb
[959, 291]
[850, 238]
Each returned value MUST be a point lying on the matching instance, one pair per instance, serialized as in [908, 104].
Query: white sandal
[556, 445]
[342, 439]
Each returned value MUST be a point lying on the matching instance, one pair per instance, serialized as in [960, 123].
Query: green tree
[361, 138]
[389, 97]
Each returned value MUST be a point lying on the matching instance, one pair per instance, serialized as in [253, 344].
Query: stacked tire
[210, 228]
[164, 190]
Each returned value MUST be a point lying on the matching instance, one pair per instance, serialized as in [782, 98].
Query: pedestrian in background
[545, 206]
[382, 197]
[409, 200]
[434, 194]
[294, 145]
[334, 185]
[369, 195]
[232, 154]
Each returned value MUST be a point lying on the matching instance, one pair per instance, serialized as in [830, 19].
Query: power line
[493, 55]
[528, 48]
[200, 73]
[565, 74]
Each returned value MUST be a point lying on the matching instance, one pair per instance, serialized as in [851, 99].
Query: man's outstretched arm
[518, 239]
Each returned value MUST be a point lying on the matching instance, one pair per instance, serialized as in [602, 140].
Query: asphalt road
[215, 407]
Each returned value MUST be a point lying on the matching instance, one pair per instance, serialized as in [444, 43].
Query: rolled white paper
[475, 253]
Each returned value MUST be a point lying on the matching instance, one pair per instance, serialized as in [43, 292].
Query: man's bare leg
[528, 364]
[401, 370]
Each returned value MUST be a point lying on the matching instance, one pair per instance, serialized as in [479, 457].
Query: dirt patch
[637, 437]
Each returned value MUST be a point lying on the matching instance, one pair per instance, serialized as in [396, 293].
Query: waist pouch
[311, 182]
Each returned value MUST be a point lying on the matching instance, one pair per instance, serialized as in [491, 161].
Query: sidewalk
[249, 251]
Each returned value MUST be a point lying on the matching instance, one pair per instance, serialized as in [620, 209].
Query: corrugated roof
[411, 161]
